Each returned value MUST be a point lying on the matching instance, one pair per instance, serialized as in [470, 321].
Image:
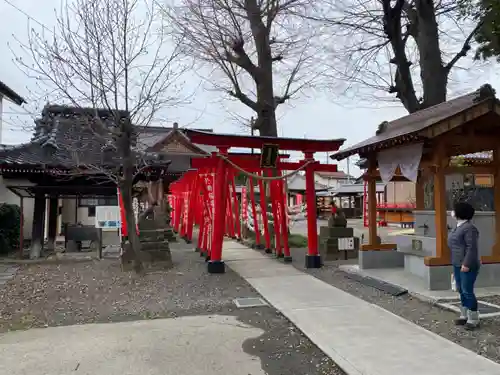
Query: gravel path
[485, 341]
[79, 293]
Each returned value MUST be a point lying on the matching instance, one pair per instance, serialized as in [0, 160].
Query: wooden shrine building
[62, 165]
[420, 147]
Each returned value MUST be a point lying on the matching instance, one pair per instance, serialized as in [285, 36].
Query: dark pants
[465, 286]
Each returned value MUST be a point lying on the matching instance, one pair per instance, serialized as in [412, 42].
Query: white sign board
[346, 243]
[107, 217]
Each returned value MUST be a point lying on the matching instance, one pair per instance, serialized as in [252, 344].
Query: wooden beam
[253, 165]
[246, 141]
[372, 202]
[473, 169]
[443, 255]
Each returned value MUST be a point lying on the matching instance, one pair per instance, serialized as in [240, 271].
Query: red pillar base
[287, 259]
[280, 255]
[187, 240]
[313, 261]
[216, 266]
[268, 251]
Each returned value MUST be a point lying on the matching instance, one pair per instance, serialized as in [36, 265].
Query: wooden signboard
[269, 156]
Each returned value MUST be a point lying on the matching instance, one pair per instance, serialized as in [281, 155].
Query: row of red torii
[206, 194]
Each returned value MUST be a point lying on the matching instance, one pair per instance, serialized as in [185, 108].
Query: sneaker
[472, 320]
[462, 320]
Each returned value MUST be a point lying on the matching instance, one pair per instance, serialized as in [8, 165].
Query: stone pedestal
[338, 243]
[155, 249]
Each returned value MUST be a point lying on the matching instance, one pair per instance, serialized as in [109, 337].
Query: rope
[257, 177]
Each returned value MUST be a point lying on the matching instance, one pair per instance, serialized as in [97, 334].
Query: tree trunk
[433, 74]
[266, 117]
[126, 184]
[135, 245]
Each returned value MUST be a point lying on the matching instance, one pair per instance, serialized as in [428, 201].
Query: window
[91, 211]
[93, 202]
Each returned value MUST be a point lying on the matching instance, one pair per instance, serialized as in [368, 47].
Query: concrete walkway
[363, 339]
[150, 347]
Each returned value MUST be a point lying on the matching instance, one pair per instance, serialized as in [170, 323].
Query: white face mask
[453, 214]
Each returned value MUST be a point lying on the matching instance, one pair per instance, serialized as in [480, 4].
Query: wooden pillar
[443, 256]
[216, 265]
[495, 251]
[372, 202]
[420, 192]
[52, 223]
[38, 226]
[313, 259]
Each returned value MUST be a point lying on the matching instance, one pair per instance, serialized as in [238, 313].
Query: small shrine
[424, 147]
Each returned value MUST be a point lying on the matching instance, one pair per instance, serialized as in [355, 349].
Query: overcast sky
[316, 116]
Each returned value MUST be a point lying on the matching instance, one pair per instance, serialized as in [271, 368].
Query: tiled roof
[485, 155]
[63, 139]
[393, 133]
[297, 182]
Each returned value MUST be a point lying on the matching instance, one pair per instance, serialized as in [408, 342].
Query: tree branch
[466, 47]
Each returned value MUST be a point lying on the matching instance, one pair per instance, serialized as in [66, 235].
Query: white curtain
[407, 157]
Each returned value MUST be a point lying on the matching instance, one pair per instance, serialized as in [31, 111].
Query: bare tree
[405, 48]
[111, 59]
[262, 48]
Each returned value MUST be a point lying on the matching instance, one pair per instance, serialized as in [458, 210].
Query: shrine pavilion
[421, 148]
[61, 164]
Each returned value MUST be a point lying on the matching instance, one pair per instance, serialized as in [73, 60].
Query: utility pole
[348, 170]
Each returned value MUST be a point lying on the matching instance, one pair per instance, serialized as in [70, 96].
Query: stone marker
[336, 240]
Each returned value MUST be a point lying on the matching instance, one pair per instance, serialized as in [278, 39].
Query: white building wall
[330, 182]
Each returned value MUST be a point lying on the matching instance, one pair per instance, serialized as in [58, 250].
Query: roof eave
[10, 94]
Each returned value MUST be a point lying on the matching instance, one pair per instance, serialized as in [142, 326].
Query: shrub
[297, 241]
[10, 228]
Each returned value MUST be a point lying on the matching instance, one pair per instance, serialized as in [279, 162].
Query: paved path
[360, 337]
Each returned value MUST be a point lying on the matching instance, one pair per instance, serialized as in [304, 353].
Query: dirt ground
[81, 293]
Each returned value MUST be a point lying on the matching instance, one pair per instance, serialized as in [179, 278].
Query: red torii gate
[218, 164]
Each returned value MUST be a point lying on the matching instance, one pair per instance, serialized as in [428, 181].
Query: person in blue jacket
[463, 244]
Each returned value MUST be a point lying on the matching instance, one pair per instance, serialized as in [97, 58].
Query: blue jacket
[463, 244]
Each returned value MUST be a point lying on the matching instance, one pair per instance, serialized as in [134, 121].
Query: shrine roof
[339, 175]
[63, 138]
[246, 141]
[410, 128]
[11, 94]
